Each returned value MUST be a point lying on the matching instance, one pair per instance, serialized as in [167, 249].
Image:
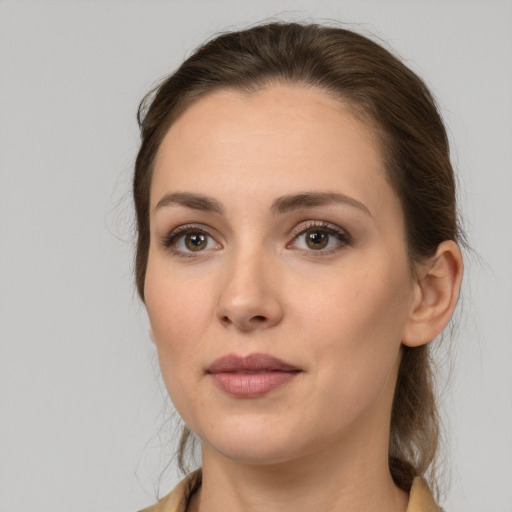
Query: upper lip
[251, 363]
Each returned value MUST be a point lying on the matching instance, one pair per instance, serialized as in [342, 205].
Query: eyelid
[304, 226]
[169, 239]
[344, 237]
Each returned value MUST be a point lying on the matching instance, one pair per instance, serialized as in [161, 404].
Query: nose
[250, 295]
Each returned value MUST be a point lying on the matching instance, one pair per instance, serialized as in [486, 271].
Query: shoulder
[420, 498]
[177, 499]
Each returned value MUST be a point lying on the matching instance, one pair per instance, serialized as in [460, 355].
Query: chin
[256, 454]
[255, 443]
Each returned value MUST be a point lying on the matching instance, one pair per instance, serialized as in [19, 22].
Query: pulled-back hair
[396, 104]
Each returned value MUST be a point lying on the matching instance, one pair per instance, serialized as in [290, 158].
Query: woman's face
[278, 284]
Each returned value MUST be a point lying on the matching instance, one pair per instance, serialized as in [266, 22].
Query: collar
[420, 498]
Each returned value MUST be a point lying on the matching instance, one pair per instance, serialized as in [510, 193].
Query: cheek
[175, 329]
[173, 298]
[178, 311]
[357, 322]
[365, 297]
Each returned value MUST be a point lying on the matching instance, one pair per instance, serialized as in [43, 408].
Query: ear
[436, 291]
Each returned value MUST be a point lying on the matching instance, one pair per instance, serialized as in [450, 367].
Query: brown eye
[189, 241]
[316, 239]
[196, 241]
[322, 238]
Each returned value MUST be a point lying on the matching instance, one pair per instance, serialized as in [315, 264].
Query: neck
[320, 481]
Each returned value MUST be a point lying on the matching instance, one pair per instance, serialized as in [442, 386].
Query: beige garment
[420, 499]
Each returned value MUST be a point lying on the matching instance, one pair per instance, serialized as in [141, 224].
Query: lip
[251, 376]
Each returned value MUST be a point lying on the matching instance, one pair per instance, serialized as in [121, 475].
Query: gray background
[83, 421]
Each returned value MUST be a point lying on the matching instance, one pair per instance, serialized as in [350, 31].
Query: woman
[297, 251]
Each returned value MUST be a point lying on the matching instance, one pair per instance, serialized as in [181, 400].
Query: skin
[339, 314]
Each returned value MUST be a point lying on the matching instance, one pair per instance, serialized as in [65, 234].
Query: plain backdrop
[83, 419]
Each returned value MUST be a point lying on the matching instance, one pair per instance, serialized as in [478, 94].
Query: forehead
[280, 137]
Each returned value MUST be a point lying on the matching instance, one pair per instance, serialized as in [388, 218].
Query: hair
[397, 105]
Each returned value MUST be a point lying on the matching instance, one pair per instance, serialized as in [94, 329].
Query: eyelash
[343, 237]
[170, 240]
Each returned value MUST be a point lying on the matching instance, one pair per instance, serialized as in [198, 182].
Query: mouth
[251, 376]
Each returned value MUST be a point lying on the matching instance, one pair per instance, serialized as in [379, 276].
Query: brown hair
[414, 143]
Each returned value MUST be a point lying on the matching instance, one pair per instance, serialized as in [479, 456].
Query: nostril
[259, 318]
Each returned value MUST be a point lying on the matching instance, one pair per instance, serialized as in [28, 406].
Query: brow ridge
[281, 205]
[313, 199]
[190, 200]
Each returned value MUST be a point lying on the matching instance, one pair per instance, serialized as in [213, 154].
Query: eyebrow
[281, 205]
[313, 199]
[189, 200]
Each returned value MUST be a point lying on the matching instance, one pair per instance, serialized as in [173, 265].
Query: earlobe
[437, 289]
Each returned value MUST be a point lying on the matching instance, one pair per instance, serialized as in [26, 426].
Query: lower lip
[251, 385]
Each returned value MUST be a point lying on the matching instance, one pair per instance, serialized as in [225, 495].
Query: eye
[193, 242]
[186, 240]
[319, 237]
